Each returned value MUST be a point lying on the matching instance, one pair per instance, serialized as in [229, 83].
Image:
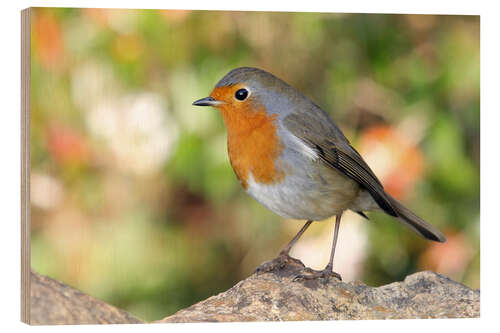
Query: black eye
[241, 94]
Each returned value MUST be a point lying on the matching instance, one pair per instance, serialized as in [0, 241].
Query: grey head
[243, 74]
[274, 94]
[278, 97]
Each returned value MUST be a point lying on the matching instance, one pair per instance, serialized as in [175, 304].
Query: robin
[291, 157]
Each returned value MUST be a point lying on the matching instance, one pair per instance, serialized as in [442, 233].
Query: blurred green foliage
[133, 197]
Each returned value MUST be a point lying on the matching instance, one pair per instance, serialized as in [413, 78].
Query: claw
[312, 274]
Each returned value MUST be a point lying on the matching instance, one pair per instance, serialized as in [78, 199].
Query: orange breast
[253, 143]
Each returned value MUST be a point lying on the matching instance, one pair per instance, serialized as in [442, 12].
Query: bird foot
[279, 262]
[311, 274]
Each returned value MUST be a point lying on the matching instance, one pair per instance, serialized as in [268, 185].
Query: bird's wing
[333, 148]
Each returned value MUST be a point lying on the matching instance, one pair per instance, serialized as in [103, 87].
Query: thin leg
[287, 249]
[283, 258]
[328, 270]
[334, 245]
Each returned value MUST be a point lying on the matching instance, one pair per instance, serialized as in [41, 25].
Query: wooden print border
[25, 164]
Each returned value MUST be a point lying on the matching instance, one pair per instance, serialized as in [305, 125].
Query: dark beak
[207, 101]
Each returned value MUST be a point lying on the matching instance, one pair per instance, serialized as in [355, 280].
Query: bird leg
[328, 270]
[283, 258]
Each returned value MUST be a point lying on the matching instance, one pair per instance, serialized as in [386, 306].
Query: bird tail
[405, 216]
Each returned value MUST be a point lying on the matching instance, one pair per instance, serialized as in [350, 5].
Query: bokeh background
[132, 194]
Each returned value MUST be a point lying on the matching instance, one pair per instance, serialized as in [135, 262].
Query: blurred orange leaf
[49, 42]
[67, 146]
[450, 258]
[397, 162]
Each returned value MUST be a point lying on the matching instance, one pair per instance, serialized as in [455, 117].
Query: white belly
[311, 190]
[300, 197]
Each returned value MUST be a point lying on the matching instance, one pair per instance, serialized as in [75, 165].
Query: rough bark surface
[53, 302]
[275, 296]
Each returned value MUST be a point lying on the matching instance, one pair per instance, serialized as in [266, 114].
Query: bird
[291, 157]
